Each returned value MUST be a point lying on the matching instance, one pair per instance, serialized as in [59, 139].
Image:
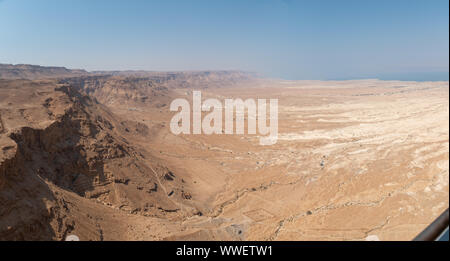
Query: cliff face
[151, 88]
[25, 215]
[112, 90]
[78, 148]
[26, 71]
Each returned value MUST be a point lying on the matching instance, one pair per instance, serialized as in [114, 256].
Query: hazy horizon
[294, 40]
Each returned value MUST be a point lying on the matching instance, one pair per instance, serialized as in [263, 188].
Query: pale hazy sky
[290, 39]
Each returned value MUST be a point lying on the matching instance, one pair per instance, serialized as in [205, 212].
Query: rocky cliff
[57, 141]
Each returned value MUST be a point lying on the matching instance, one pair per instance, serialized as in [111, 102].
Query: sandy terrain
[355, 160]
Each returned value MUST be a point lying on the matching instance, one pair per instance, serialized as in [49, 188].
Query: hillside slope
[57, 142]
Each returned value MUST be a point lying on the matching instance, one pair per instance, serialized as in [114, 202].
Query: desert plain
[92, 155]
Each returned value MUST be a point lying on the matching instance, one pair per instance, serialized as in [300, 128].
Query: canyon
[91, 154]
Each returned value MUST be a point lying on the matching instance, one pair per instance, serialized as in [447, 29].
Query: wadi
[95, 155]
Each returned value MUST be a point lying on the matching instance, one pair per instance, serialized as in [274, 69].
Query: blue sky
[288, 39]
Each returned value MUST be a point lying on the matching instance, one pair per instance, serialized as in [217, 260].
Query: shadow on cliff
[29, 208]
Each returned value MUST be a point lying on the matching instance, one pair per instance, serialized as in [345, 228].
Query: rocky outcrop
[81, 151]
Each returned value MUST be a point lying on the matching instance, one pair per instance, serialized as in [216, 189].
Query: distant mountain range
[27, 71]
[32, 72]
